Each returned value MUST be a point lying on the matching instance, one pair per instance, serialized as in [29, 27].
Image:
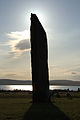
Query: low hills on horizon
[29, 82]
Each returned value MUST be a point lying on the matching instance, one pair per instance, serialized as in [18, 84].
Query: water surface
[29, 87]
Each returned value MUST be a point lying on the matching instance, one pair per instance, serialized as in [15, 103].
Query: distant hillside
[15, 82]
[29, 82]
[65, 82]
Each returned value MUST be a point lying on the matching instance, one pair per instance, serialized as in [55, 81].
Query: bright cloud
[19, 43]
[19, 35]
[70, 73]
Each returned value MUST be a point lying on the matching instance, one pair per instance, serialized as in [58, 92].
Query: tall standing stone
[39, 61]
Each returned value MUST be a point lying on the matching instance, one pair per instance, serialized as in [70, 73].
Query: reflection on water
[29, 87]
[16, 87]
[52, 87]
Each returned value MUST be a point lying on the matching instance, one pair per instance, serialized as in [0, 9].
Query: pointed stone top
[34, 15]
[35, 19]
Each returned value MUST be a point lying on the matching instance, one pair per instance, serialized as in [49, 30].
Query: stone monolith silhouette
[39, 61]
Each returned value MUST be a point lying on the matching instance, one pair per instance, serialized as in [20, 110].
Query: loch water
[29, 87]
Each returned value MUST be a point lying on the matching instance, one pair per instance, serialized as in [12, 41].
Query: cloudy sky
[61, 21]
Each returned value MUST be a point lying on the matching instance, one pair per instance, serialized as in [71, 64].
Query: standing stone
[39, 61]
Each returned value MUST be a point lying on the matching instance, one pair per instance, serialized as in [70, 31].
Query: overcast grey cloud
[23, 45]
[74, 73]
[18, 47]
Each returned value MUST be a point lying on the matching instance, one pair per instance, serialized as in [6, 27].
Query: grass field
[18, 106]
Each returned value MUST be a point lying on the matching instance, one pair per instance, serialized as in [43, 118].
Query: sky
[61, 21]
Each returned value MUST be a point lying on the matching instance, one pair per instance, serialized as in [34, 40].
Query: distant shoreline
[29, 82]
[49, 84]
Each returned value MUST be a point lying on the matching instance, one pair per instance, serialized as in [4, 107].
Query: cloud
[19, 43]
[10, 75]
[18, 47]
[74, 73]
[19, 35]
[23, 45]
[60, 72]
[3, 44]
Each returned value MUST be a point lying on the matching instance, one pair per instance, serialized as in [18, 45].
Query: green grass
[14, 105]
[18, 106]
[70, 107]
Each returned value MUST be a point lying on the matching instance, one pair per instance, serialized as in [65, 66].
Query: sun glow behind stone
[39, 14]
[25, 34]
